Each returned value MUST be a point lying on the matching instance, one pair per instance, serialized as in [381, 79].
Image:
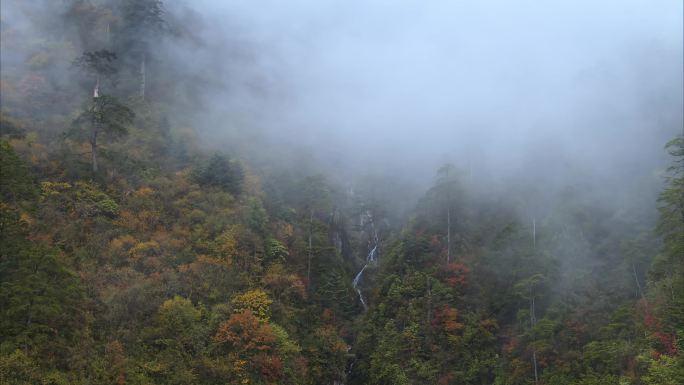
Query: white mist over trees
[576, 88]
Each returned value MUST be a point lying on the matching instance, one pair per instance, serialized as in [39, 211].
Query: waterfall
[355, 284]
[370, 258]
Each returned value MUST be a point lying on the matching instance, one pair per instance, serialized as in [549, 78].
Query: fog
[551, 90]
[544, 94]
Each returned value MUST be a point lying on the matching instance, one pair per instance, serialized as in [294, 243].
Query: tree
[249, 344]
[664, 371]
[327, 352]
[180, 340]
[143, 22]
[314, 196]
[88, 21]
[103, 115]
[671, 224]
[220, 171]
[528, 289]
[17, 184]
[256, 301]
[11, 127]
[41, 301]
[446, 182]
[667, 273]
[98, 64]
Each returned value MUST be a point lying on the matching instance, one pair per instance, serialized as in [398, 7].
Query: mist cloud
[582, 85]
[538, 92]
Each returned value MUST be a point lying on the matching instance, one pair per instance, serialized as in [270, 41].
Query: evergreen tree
[105, 116]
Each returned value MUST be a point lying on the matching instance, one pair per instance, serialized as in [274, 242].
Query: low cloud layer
[526, 92]
[572, 87]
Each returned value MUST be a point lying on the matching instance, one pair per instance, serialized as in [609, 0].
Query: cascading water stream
[370, 258]
[355, 284]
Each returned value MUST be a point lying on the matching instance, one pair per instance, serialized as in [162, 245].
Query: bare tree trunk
[93, 147]
[429, 309]
[636, 279]
[29, 317]
[142, 78]
[308, 267]
[449, 233]
[534, 233]
[533, 322]
[29, 314]
[448, 217]
[96, 90]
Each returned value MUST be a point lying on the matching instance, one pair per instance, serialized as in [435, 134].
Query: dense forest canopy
[264, 192]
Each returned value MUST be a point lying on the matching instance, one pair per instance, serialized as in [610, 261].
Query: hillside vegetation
[132, 254]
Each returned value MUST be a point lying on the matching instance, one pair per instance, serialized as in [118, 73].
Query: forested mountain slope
[132, 254]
